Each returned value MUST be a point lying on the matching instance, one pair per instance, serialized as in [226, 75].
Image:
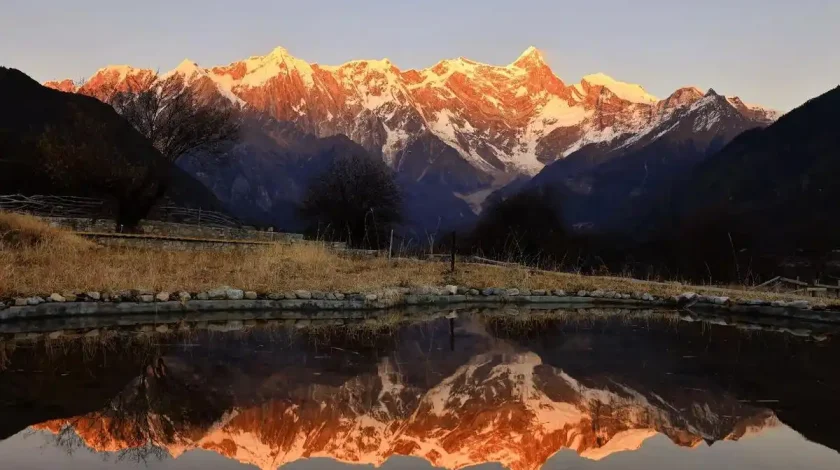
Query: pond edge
[362, 303]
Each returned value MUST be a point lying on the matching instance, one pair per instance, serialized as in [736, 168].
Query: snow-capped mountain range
[501, 406]
[502, 120]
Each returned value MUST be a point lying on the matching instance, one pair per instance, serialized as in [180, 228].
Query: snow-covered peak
[279, 52]
[685, 96]
[381, 65]
[624, 441]
[190, 71]
[66, 85]
[754, 110]
[502, 405]
[531, 58]
[187, 65]
[709, 99]
[122, 71]
[187, 68]
[437, 75]
[504, 118]
[627, 91]
[530, 54]
[261, 69]
[735, 101]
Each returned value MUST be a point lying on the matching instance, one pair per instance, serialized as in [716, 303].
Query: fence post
[451, 333]
[391, 244]
[199, 216]
[452, 267]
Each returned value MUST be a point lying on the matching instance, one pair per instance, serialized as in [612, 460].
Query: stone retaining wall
[230, 299]
[132, 326]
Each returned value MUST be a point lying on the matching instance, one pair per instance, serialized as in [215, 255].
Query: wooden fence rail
[801, 287]
[91, 208]
[56, 206]
[184, 215]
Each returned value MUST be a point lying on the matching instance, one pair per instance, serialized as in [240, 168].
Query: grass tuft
[20, 231]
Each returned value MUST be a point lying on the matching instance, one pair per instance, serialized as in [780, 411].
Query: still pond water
[597, 393]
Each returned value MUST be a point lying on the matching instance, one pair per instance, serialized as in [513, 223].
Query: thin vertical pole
[452, 261]
[391, 244]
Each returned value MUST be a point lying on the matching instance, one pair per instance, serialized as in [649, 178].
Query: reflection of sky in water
[776, 448]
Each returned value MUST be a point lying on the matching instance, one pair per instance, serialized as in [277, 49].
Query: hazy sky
[773, 52]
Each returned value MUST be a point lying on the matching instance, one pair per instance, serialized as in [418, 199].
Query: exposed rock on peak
[685, 96]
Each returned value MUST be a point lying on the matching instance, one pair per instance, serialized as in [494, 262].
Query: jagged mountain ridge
[501, 406]
[614, 185]
[502, 120]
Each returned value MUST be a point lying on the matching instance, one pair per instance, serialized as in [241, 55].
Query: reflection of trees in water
[611, 417]
[159, 408]
[100, 348]
[6, 350]
[68, 440]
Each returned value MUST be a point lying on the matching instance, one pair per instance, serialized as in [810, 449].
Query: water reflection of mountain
[489, 399]
[500, 406]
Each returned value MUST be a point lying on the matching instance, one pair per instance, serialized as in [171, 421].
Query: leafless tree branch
[175, 116]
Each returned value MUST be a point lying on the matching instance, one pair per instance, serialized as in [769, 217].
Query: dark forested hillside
[766, 200]
[59, 143]
[613, 188]
[687, 207]
[778, 185]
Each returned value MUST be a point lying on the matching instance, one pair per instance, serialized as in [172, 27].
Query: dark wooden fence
[91, 208]
[185, 215]
[56, 206]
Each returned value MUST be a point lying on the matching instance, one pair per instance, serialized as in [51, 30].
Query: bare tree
[156, 409]
[175, 116]
[356, 200]
[523, 228]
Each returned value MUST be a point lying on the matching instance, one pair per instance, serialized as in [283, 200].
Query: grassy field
[36, 259]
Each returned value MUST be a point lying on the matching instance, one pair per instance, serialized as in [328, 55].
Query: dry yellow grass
[38, 260]
[20, 231]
